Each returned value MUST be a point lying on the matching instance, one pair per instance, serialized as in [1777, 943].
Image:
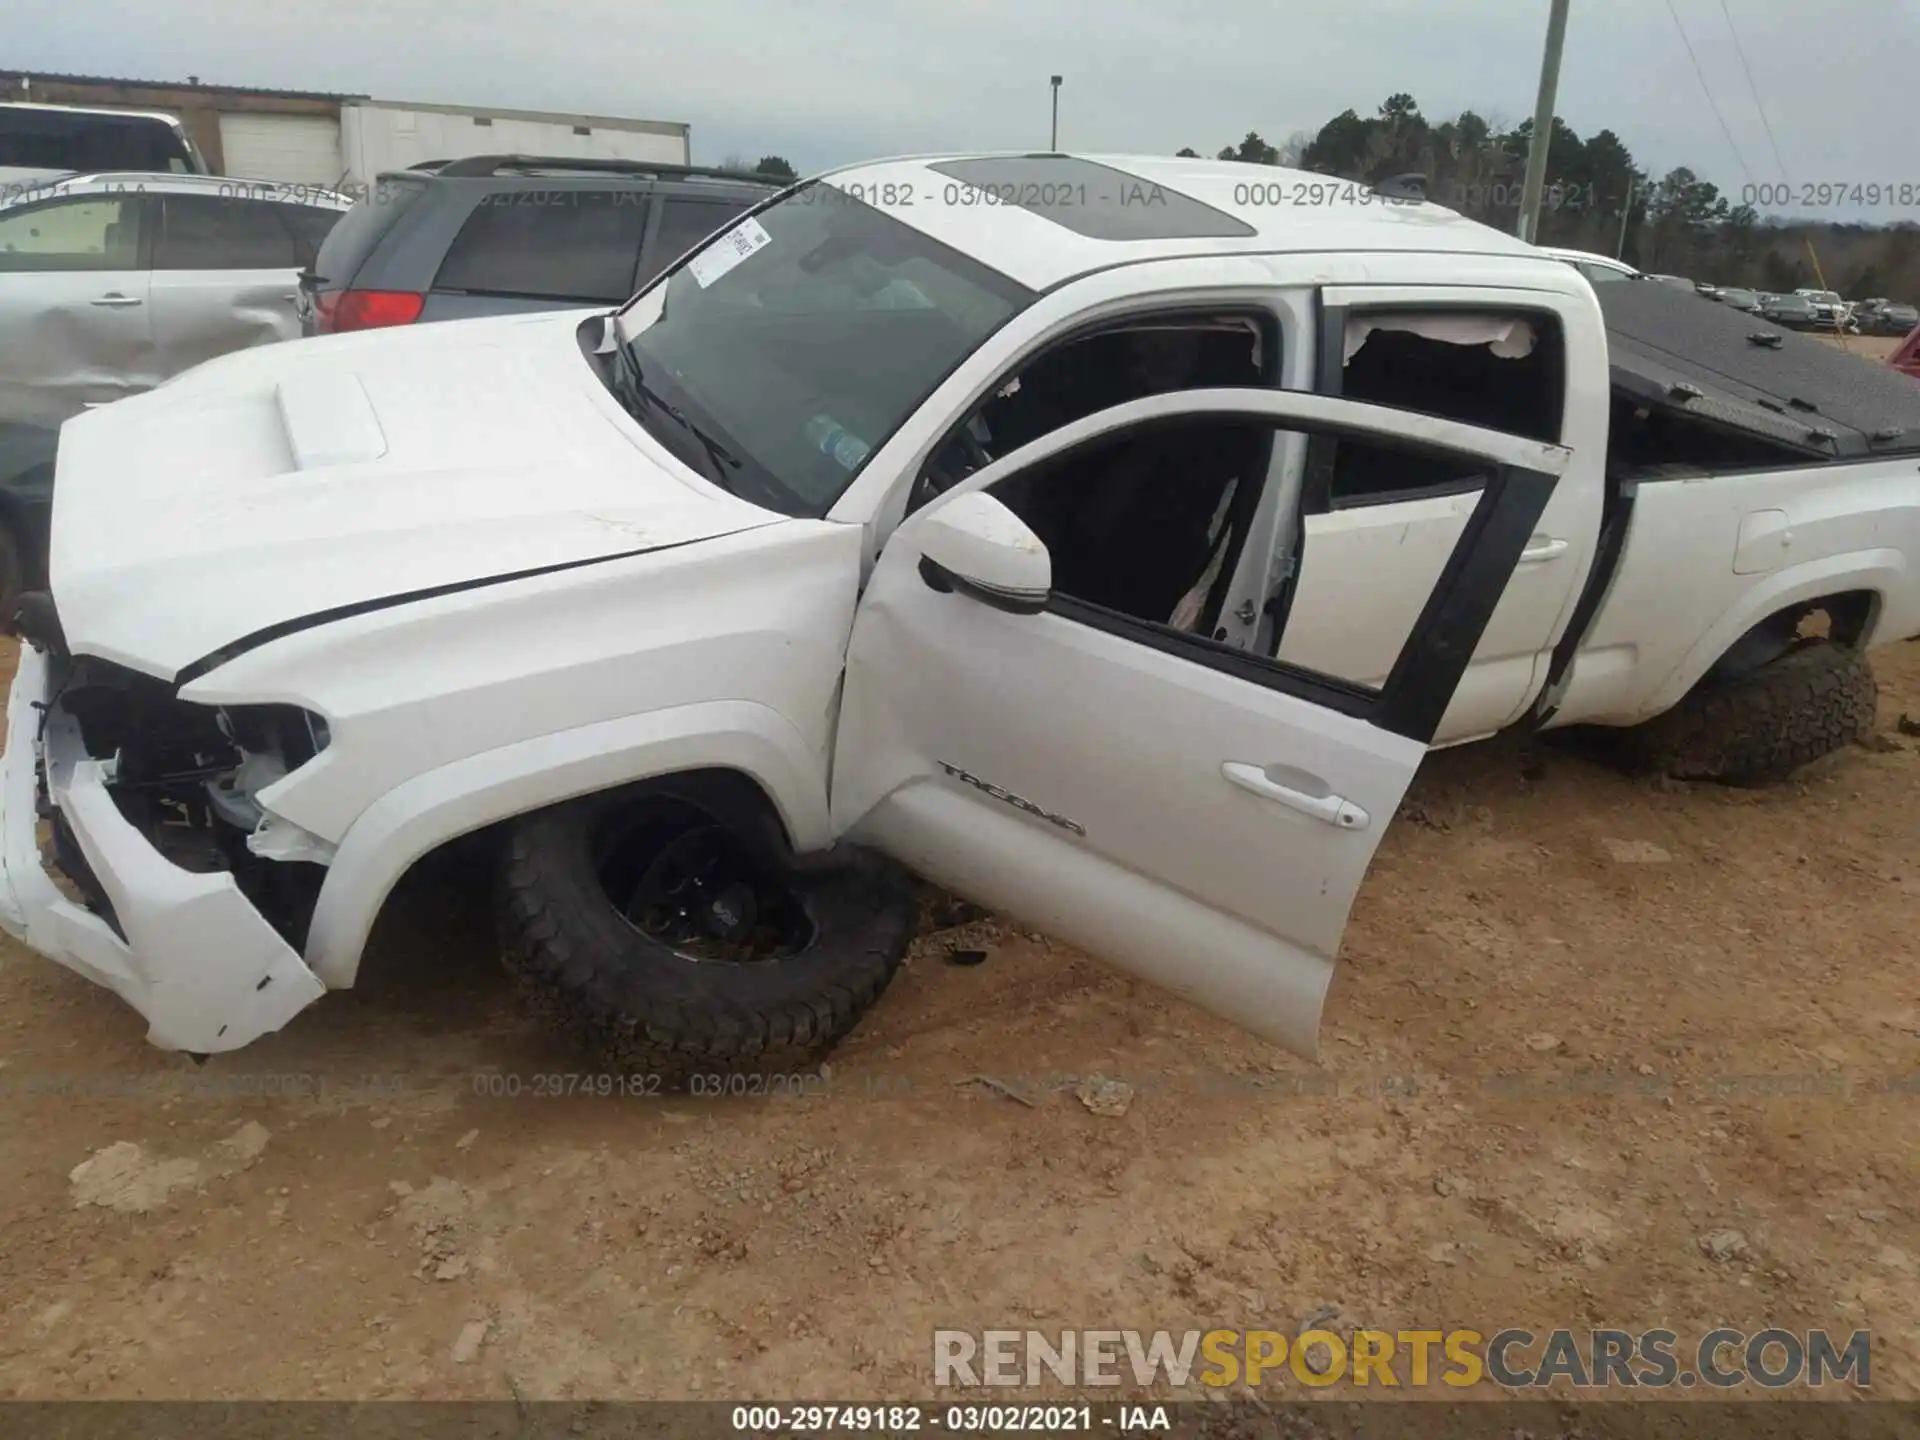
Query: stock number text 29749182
[1823, 194]
[907, 195]
[903, 1419]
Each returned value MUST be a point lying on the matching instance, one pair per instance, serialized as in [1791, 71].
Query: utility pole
[1054, 146]
[1620, 250]
[1543, 123]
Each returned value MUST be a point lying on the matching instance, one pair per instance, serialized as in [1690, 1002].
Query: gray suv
[495, 234]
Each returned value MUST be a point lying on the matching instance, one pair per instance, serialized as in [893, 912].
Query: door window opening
[1148, 525]
[1497, 371]
[1090, 373]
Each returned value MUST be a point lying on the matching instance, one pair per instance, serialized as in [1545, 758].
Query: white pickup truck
[1106, 540]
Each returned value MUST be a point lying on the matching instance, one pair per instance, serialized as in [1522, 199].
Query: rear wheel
[670, 931]
[1816, 698]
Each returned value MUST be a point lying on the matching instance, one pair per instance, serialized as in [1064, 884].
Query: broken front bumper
[185, 949]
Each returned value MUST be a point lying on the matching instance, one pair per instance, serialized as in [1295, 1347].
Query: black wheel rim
[682, 878]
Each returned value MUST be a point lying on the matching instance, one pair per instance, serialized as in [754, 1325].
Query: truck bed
[1689, 356]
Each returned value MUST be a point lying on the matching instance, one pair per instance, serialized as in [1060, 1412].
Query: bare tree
[1293, 149]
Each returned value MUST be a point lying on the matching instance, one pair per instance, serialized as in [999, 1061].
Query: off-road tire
[639, 1008]
[1817, 698]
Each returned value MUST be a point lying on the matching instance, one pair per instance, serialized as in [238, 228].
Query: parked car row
[112, 283]
[1805, 309]
[1884, 317]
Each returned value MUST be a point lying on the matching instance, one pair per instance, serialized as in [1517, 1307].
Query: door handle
[1543, 549]
[1328, 809]
[115, 299]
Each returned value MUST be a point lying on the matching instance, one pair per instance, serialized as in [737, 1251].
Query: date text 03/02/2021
[968, 1419]
[959, 194]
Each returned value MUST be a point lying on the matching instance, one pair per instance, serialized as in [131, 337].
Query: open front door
[1069, 750]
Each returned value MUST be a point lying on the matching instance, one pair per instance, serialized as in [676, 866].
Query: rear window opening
[1498, 371]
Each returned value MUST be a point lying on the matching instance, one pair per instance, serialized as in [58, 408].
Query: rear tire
[1815, 699]
[726, 953]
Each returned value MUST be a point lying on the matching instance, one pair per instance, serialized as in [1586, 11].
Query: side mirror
[975, 546]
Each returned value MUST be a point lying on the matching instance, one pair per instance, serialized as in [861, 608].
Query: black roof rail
[487, 166]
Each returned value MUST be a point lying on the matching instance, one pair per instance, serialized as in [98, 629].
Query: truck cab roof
[1045, 219]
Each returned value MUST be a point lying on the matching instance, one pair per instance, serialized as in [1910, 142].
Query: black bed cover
[1680, 352]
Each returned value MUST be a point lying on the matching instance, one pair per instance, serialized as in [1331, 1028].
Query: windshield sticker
[728, 251]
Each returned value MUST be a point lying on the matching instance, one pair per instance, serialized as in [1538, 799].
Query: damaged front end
[136, 851]
[186, 777]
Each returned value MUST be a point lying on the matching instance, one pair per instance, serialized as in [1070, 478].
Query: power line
[1707, 90]
[1767, 124]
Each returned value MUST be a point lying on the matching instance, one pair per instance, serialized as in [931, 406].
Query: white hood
[277, 484]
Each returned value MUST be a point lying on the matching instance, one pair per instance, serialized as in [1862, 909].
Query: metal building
[316, 138]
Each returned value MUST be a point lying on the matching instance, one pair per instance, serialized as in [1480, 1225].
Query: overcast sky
[830, 81]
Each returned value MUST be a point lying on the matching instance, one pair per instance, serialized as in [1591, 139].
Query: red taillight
[337, 310]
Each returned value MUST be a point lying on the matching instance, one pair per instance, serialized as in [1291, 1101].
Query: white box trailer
[285, 149]
[378, 135]
[370, 136]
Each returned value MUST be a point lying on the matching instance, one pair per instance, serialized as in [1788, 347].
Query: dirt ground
[1873, 347]
[1585, 1028]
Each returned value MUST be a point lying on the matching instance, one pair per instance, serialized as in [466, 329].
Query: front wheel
[668, 930]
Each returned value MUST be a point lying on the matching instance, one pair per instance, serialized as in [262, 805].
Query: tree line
[774, 167]
[1598, 198]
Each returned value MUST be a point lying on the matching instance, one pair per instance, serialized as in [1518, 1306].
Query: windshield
[798, 341]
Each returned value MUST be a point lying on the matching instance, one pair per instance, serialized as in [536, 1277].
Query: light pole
[1054, 146]
[1542, 138]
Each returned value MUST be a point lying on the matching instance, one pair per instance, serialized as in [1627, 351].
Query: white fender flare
[457, 799]
[1882, 572]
